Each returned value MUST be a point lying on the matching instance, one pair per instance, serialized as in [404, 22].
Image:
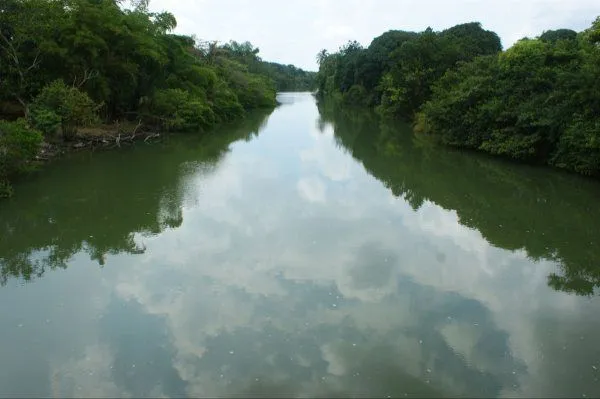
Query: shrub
[579, 147]
[177, 109]
[357, 95]
[19, 145]
[73, 107]
[226, 103]
[45, 120]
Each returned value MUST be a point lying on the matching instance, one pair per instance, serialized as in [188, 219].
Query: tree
[72, 107]
[25, 40]
[537, 101]
[397, 70]
[559, 34]
[322, 56]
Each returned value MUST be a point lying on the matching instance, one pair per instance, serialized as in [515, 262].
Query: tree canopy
[68, 63]
[538, 101]
[398, 68]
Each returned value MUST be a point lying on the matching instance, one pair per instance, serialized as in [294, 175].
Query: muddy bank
[97, 137]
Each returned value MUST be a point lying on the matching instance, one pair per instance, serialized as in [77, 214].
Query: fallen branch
[136, 128]
[152, 136]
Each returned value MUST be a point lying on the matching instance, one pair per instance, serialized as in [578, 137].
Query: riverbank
[97, 137]
[535, 102]
[55, 86]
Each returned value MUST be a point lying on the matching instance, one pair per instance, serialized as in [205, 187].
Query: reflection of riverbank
[96, 201]
[547, 213]
[290, 271]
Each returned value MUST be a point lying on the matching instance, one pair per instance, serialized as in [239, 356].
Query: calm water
[309, 252]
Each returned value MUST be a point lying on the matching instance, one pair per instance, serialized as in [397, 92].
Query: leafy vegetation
[537, 101]
[284, 77]
[71, 63]
[19, 145]
[398, 68]
[61, 106]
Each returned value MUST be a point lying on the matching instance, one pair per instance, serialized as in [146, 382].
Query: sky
[293, 31]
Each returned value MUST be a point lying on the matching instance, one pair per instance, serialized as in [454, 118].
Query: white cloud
[312, 189]
[293, 31]
[349, 282]
[346, 245]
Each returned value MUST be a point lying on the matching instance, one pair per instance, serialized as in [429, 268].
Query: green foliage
[593, 33]
[381, 57]
[253, 91]
[357, 95]
[119, 57]
[559, 34]
[19, 145]
[225, 103]
[425, 59]
[57, 101]
[177, 109]
[62, 57]
[399, 68]
[26, 39]
[287, 77]
[537, 101]
[578, 148]
[283, 77]
[45, 120]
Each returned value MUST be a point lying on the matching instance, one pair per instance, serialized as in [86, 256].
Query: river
[312, 251]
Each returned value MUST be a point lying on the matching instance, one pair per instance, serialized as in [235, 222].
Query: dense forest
[538, 101]
[68, 64]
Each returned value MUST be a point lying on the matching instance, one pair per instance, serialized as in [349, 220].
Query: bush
[253, 91]
[177, 109]
[71, 106]
[357, 95]
[19, 145]
[579, 147]
[45, 120]
[226, 104]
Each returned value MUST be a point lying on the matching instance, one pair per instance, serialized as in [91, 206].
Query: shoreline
[104, 137]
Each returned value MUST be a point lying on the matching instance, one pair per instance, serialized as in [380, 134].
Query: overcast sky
[293, 31]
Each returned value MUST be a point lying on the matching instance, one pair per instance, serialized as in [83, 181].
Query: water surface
[313, 251]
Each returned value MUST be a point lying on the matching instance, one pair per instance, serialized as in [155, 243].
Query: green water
[314, 251]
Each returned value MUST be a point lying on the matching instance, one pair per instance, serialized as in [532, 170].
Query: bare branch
[136, 128]
[151, 136]
[9, 49]
[87, 75]
[35, 62]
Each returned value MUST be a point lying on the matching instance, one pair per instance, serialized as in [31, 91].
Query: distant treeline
[288, 77]
[65, 64]
[538, 101]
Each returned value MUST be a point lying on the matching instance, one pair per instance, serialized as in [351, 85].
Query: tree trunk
[24, 105]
